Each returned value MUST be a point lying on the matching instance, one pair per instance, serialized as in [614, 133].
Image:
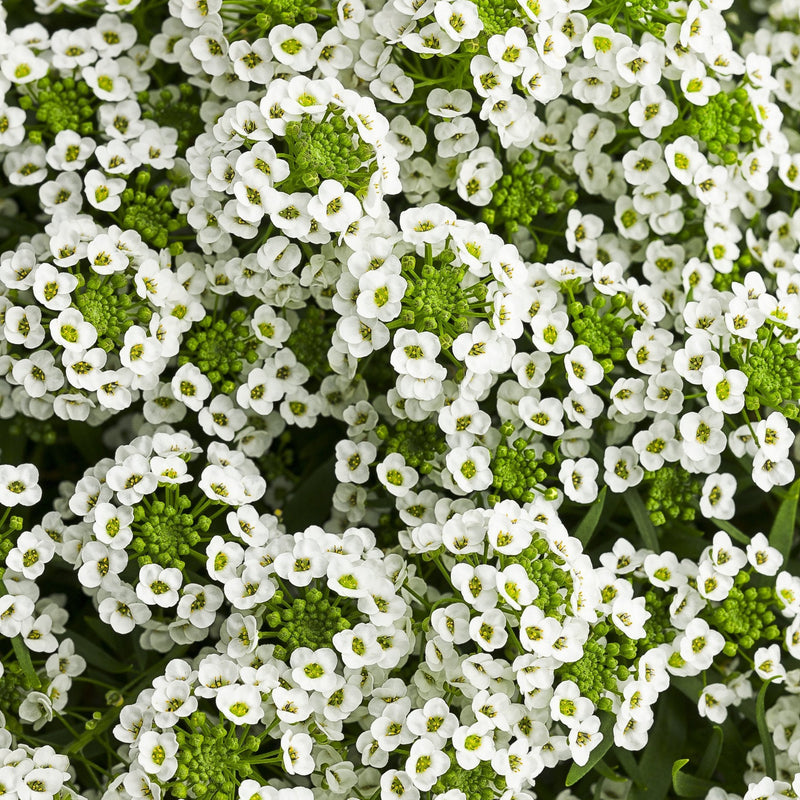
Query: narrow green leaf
[666, 740]
[689, 685]
[688, 785]
[24, 660]
[711, 756]
[576, 772]
[628, 763]
[97, 656]
[642, 519]
[763, 731]
[607, 772]
[588, 524]
[782, 532]
[732, 531]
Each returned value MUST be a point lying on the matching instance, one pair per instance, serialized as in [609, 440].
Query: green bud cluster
[310, 621]
[150, 213]
[105, 302]
[7, 541]
[274, 12]
[330, 149]
[725, 122]
[212, 759]
[658, 629]
[602, 331]
[418, 442]
[479, 783]
[47, 432]
[498, 16]
[599, 668]
[61, 105]
[641, 10]
[166, 532]
[220, 348]
[744, 616]
[522, 195]
[14, 687]
[544, 569]
[175, 107]
[672, 494]
[772, 369]
[310, 340]
[723, 281]
[437, 298]
[515, 471]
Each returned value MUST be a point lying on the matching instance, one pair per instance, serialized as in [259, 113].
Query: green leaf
[576, 772]
[607, 772]
[97, 656]
[687, 785]
[782, 532]
[628, 763]
[642, 519]
[24, 660]
[588, 524]
[763, 731]
[732, 531]
[666, 740]
[711, 756]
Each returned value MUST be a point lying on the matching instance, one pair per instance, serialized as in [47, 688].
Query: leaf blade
[763, 731]
[732, 531]
[642, 519]
[588, 524]
[781, 534]
[686, 785]
[711, 756]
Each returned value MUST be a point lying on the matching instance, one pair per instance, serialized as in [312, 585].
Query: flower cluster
[398, 400]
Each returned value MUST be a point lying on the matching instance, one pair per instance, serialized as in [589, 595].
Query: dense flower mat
[398, 399]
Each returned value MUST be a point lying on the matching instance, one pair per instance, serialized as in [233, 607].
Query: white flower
[395, 475]
[652, 112]
[427, 225]
[622, 470]
[122, 610]
[583, 738]
[156, 753]
[333, 207]
[717, 496]
[15, 610]
[240, 704]
[579, 479]
[488, 630]
[768, 472]
[159, 586]
[768, 665]
[71, 331]
[469, 467]
[473, 744]
[297, 749]
[568, 706]
[315, 670]
[725, 389]
[31, 554]
[765, 559]
[19, 486]
[103, 193]
[132, 479]
[699, 644]
[426, 763]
